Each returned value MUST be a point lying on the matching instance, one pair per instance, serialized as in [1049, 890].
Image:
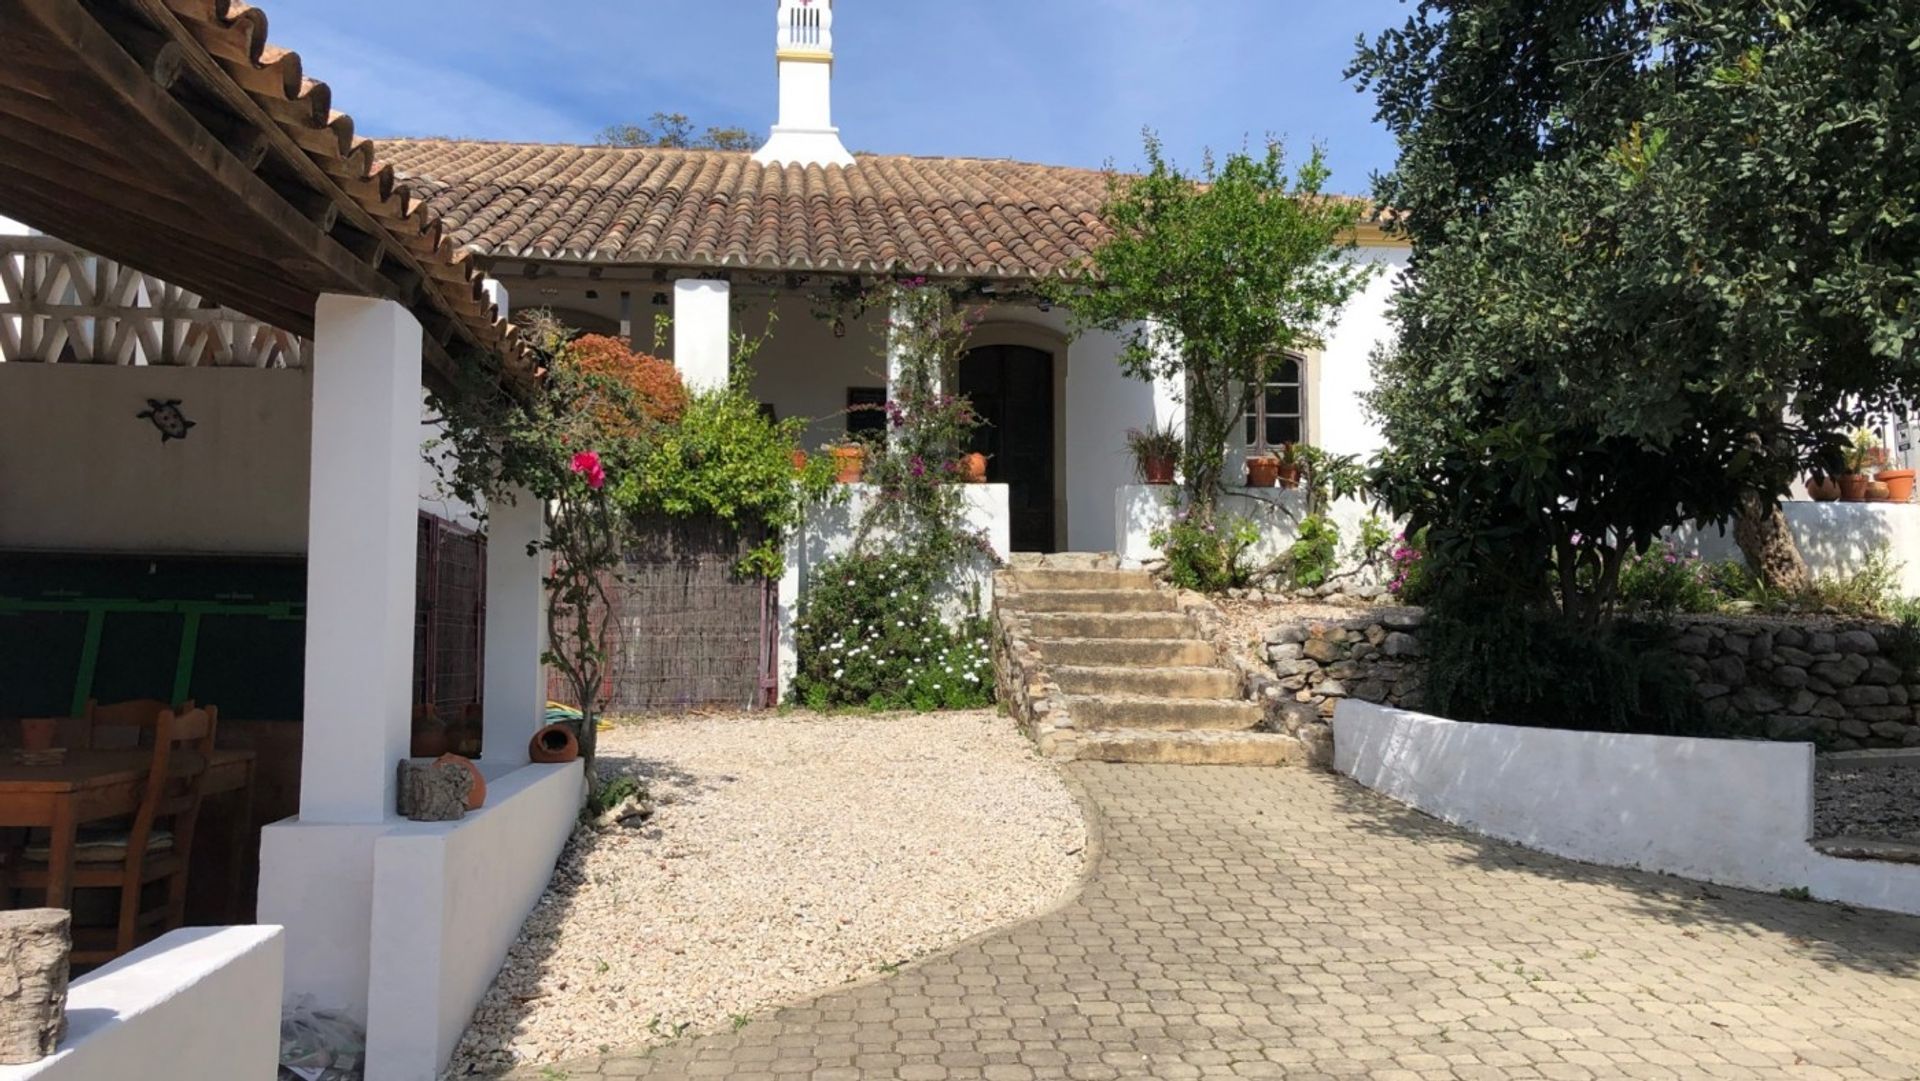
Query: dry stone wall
[1842, 686]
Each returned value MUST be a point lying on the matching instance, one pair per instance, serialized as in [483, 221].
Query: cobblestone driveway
[1282, 923]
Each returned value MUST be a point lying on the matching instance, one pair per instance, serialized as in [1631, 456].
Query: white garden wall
[1728, 811]
[1140, 509]
[193, 1005]
[404, 924]
[448, 901]
[1836, 538]
[829, 532]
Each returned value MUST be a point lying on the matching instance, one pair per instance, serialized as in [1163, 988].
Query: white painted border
[448, 900]
[1735, 812]
[192, 1005]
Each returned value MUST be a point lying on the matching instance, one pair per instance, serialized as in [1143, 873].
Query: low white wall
[192, 1005]
[1835, 538]
[829, 533]
[1728, 811]
[448, 901]
[1140, 509]
[403, 924]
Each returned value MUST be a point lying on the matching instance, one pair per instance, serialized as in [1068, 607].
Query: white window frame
[1256, 414]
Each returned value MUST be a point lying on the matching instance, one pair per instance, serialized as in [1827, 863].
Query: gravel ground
[787, 855]
[1881, 803]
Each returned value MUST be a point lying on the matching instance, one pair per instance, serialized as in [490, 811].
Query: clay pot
[1899, 484]
[39, 733]
[849, 463]
[973, 468]
[799, 461]
[1289, 477]
[554, 744]
[1878, 491]
[1157, 470]
[477, 795]
[1853, 487]
[1823, 489]
[1263, 471]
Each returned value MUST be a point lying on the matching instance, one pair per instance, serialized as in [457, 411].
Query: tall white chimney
[805, 134]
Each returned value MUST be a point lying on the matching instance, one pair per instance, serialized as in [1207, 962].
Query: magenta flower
[587, 464]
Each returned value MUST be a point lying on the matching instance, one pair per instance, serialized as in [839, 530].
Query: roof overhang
[168, 135]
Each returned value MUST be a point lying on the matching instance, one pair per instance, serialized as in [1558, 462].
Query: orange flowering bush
[655, 385]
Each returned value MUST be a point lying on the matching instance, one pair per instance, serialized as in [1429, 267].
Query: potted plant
[1263, 470]
[973, 468]
[1156, 453]
[849, 461]
[1822, 489]
[1854, 458]
[1290, 466]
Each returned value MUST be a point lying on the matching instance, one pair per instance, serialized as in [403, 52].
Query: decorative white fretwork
[63, 305]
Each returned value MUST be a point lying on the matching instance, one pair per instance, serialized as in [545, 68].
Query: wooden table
[91, 785]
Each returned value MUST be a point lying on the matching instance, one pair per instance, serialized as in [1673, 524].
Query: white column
[363, 500]
[702, 333]
[515, 694]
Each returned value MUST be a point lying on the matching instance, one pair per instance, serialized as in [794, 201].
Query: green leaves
[1209, 278]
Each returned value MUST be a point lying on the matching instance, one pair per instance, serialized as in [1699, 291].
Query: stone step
[1093, 600]
[1191, 748]
[1054, 579]
[1113, 652]
[1111, 625]
[1124, 711]
[1158, 681]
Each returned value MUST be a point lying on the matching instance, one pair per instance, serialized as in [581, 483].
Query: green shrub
[1315, 554]
[1501, 663]
[1206, 553]
[871, 636]
[1662, 581]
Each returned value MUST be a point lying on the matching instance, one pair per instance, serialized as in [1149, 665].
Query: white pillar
[363, 502]
[514, 693]
[702, 333]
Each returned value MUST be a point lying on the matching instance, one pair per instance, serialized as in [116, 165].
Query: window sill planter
[973, 468]
[1823, 489]
[1853, 487]
[1899, 484]
[849, 463]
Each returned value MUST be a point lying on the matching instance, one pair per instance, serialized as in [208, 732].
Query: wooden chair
[156, 847]
[121, 725]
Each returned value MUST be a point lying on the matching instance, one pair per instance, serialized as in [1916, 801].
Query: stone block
[1820, 642]
[1324, 650]
[35, 944]
[1729, 670]
[1883, 672]
[1788, 675]
[1857, 642]
[1865, 695]
[1855, 729]
[1799, 658]
[1402, 644]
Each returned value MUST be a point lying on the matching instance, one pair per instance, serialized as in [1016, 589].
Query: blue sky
[1068, 82]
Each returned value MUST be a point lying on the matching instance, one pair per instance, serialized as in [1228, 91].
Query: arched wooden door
[1011, 387]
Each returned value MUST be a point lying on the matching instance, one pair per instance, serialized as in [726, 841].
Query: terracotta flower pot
[1263, 471]
[799, 461]
[1289, 477]
[1879, 492]
[1899, 484]
[1853, 487]
[1157, 470]
[849, 463]
[39, 733]
[554, 744]
[477, 795]
[1823, 489]
[973, 468]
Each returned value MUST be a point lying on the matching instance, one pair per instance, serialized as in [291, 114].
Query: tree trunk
[1760, 529]
[34, 947]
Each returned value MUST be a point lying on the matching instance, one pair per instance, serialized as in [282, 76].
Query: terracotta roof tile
[701, 208]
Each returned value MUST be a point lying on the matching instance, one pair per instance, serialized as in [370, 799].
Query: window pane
[1283, 430]
[1287, 371]
[1251, 429]
[1283, 401]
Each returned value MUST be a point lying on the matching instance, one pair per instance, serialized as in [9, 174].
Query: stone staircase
[1100, 664]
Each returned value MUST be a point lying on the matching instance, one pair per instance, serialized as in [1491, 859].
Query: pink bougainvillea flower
[587, 464]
